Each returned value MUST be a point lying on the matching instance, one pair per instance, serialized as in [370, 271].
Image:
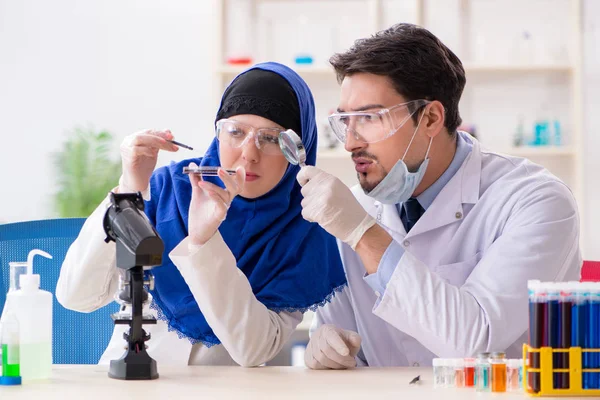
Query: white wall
[121, 65]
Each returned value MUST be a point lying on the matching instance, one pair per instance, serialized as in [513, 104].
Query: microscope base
[133, 366]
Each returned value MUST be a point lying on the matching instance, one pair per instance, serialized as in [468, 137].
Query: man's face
[373, 161]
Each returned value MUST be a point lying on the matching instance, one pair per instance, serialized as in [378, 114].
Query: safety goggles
[374, 126]
[236, 134]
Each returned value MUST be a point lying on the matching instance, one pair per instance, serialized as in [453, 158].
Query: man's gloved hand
[331, 204]
[331, 347]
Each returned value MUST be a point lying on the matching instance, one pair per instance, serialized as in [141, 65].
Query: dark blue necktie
[411, 212]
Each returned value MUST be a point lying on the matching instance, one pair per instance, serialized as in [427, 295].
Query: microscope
[138, 247]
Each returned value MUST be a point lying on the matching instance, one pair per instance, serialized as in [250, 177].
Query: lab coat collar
[447, 207]
[471, 174]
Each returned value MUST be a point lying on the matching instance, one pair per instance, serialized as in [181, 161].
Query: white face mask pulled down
[399, 184]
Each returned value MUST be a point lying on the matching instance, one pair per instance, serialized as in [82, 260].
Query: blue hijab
[291, 264]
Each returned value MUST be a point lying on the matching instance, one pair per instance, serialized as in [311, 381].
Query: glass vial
[482, 372]
[469, 372]
[439, 378]
[448, 373]
[498, 381]
[514, 380]
[459, 372]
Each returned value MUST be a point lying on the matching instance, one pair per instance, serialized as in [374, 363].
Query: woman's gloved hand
[210, 203]
[139, 154]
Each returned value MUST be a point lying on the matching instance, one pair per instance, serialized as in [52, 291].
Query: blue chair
[78, 338]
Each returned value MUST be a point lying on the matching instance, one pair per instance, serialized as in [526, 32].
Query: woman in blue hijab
[241, 265]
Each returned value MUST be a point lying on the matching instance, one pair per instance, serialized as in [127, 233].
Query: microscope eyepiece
[126, 224]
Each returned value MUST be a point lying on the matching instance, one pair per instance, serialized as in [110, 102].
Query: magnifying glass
[292, 147]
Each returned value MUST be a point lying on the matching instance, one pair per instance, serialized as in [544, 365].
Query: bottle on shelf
[519, 136]
[240, 40]
[541, 128]
[556, 134]
[303, 56]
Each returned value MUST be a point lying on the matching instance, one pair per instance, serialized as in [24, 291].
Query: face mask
[399, 184]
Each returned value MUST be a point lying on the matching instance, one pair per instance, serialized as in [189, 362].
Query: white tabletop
[92, 382]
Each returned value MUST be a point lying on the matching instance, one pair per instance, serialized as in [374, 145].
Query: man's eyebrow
[363, 108]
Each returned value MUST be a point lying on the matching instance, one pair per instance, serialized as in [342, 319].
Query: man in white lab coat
[441, 236]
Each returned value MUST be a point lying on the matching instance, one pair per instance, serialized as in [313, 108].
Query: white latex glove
[331, 204]
[210, 203]
[139, 154]
[331, 347]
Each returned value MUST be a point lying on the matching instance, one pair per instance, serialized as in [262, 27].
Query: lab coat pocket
[457, 273]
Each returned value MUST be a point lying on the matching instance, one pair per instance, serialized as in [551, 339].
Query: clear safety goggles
[373, 126]
[236, 134]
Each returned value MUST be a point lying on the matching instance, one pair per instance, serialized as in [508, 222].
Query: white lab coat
[461, 285]
[250, 333]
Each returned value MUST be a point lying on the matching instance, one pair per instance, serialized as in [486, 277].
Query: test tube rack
[546, 371]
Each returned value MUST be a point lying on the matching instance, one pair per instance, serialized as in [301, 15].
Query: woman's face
[263, 171]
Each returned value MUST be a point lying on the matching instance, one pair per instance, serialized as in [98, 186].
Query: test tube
[459, 372]
[587, 333]
[565, 304]
[439, 378]
[514, 379]
[498, 377]
[553, 327]
[537, 308]
[594, 333]
[579, 322]
[482, 372]
[469, 372]
[206, 170]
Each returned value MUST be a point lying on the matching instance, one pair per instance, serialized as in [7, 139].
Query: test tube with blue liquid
[579, 322]
[594, 335]
[585, 317]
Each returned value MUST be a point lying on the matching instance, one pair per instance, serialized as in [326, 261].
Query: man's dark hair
[418, 64]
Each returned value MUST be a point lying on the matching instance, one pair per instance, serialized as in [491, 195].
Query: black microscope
[138, 247]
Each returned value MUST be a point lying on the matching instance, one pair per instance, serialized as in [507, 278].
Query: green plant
[86, 172]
